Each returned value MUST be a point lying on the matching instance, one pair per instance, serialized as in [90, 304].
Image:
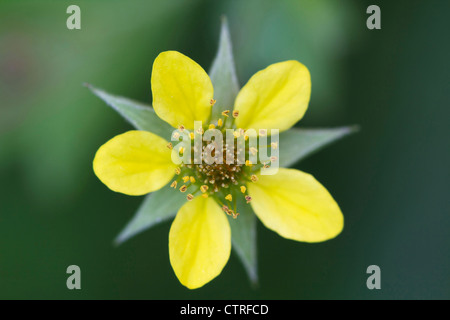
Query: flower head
[289, 202]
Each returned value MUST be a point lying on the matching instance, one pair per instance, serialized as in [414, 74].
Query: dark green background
[391, 179]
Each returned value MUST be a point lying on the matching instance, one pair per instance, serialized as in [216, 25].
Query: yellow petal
[134, 163]
[274, 98]
[199, 242]
[296, 206]
[182, 90]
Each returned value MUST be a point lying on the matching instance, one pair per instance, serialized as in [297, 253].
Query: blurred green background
[391, 179]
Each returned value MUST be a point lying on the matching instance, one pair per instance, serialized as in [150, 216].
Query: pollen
[229, 197]
[243, 189]
[185, 179]
[183, 188]
[189, 197]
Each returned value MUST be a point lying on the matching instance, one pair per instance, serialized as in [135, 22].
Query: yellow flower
[291, 202]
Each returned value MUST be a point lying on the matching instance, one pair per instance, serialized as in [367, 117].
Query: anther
[183, 188]
[225, 208]
[243, 189]
[225, 113]
[212, 102]
[181, 150]
[248, 163]
[174, 184]
[177, 170]
[181, 127]
[211, 126]
[204, 188]
[192, 179]
[170, 146]
[254, 178]
[229, 197]
[273, 159]
[191, 135]
[248, 199]
[235, 113]
[219, 122]
[189, 197]
[205, 195]
[185, 179]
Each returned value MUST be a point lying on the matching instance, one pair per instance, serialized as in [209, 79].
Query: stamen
[225, 113]
[170, 146]
[243, 189]
[212, 102]
[254, 178]
[235, 113]
[204, 188]
[248, 163]
[183, 188]
[181, 150]
[191, 135]
[219, 122]
[235, 215]
[248, 199]
[211, 126]
[192, 179]
[229, 197]
[236, 134]
[177, 170]
[225, 208]
[181, 127]
[173, 185]
[205, 195]
[189, 197]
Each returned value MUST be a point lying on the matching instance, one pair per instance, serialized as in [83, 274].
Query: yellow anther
[176, 135]
[185, 179]
[178, 170]
[236, 134]
[174, 184]
[248, 199]
[211, 126]
[189, 197]
[274, 145]
[254, 178]
[229, 197]
[262, 132]
[191, 135]
[181, 150]
[225, 113]
[205, 195]
[181, 127]
[219, 122]
[170, 146]
[183, 188]
[235, 113]
[212, 102]
[235, 215]
[230, 212]
[192, 179]
[253, 150]
[204, 188]
[243, 189]
[246, 137]
[248, 163]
